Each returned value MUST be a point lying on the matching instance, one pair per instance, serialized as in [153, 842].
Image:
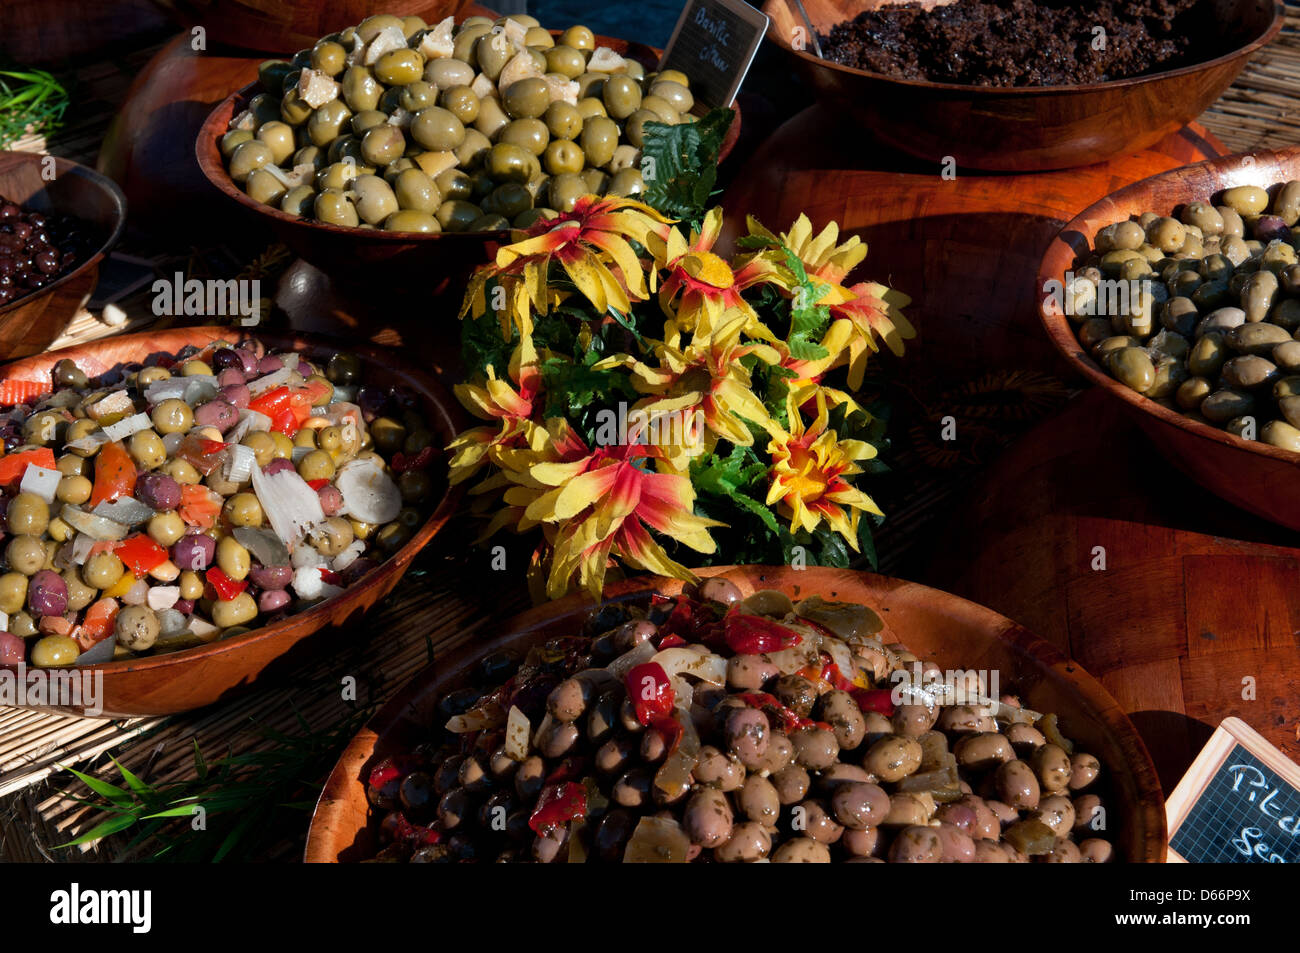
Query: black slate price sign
[714, 44]
[1238, 803]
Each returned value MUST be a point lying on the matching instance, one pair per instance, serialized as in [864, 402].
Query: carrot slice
[200, 506]
[114, 474]
[97, 625]
[21, 392]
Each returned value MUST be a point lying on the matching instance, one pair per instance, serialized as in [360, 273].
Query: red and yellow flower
[809, 467]
[511, 403]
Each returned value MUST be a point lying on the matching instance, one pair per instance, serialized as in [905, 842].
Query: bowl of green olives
[184, 508]
[1180, 296]
[384, 148]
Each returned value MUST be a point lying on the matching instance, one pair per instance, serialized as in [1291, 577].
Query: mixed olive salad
[400, 125]
[712, 727]
[1201, 312]
[159, 507]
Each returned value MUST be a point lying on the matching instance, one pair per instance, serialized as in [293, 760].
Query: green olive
[448, 72]
[233, 140]
[418, 95]
[566, 61]
[271, 73]
[491, 117]
[389, 435]
[579, 38]
[337, 176]
[625, 157]
[507, 162]
[415, 486]
[1246, 199]
[335, 208]
[530, 134]
[317, 465]
[622, 96]
[264, 108]
[243, 509]
[590, 107]
[27, 513]
[71, 465]
[74, 489]
[364, 121]
[55, 651]
[228, 613]
[456, 215]
[412, 25]
[565, 190]
[43, 428]
[526, 98]
[461, 102]
[538, 39]
[166, 528]
[248, 156]
[599, 140]
[1132, 367]
[454, 184]
[416, 191]
[298, 200]
[232, 557]
[437, 129]
[25, 554]
[399, 67]
[1225, 404]
[562, 156]
[347, 148]
[293, 110]
[393, 537]
[480, 185]
[172, 416]
[627, 183]
[360, 89]
[102, 570]
[675, 94]
[634, 128]
[264, 188]
[508, 199]
[592, 86]
[597, 181]
[489, 223]
[473, 151]
[563, 120]
[334, 536]
[326, 123]
[147, 450]
[492, 51]
[329, 57]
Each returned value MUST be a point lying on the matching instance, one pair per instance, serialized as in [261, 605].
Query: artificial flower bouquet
[650, 403]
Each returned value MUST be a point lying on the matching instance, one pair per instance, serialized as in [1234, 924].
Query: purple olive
[158, 491]
[272, 600]
[184, 606]
[236, 395]
[216, 413]
[269, 364]
[277, 465]
[271, 577]
[47, 594]
[1271, 227]
[331, 500]
[359, 567]
[224, 358]
[194, 551]
[248, 361]
[231, 375]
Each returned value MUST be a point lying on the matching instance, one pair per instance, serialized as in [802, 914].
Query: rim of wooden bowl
[1273, 28]
[333, 806]
[103, 183]
[1060, 257]
[171, 340]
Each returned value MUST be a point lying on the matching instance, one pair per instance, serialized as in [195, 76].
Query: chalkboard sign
[1238, 803]
[714, 43]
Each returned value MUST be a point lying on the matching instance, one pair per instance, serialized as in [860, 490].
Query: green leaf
[103, 788]
[680, 164]
[110, 826]
[136, 785]
[181, 810]
[200, 765]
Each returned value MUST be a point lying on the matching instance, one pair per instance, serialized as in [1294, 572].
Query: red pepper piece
[14, 465]
[753, 635]
[330, 576]
[416, 461]
[557, 805]
[389, 770]
[114, 474]
[285, 422]
[272, 402]
[874, 699]
[670, 729]
[415, 834]
[570, 769]
[764, 701]
[226, 587]
[140, 554]
[317, 484]
[670, 641]
[650, 690]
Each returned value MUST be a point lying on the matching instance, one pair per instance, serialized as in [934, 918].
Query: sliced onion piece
[240, 463]
[96, 527]
[476, 719]
[266, 546]
[269, 382]
[369, 494]
[349, 555]
[657, 840]
[518, 731]
[89, 443]
[81, 546]
[840, 654]
[163, 597]
[128, 426]
[126, 510]
[41, 481]
[674, 775]
[292, 507]
[682, 661]
[630, 659]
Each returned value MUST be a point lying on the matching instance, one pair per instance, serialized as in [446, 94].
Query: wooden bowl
[287, 26]
[29, 324]
[365, 258]
[1255, 476]
[933, 624]
[193, 678]
[1022, 128]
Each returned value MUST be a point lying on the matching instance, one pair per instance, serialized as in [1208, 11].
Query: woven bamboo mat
[448, 596]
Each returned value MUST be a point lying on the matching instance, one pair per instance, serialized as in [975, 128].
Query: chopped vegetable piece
[557, 805]
[21, 392]
[140, 554]
[14, 466]
[754, 635]
[114, 474]
[42, 481]
[200, 506]
[874, 699]
[226, 587]
[650, 691]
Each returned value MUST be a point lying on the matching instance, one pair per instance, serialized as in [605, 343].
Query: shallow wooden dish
[1255, 476]
[1024, 128]
[196, 677]
[291, 25]
[366, 258]
[933, 624]
[29, 324]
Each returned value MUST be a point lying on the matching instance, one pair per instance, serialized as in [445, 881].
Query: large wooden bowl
[369, 259]
[29, 324]
[1022, 128]
[1255, 476]
[193, 678]
[287, 26]
[933, 624]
